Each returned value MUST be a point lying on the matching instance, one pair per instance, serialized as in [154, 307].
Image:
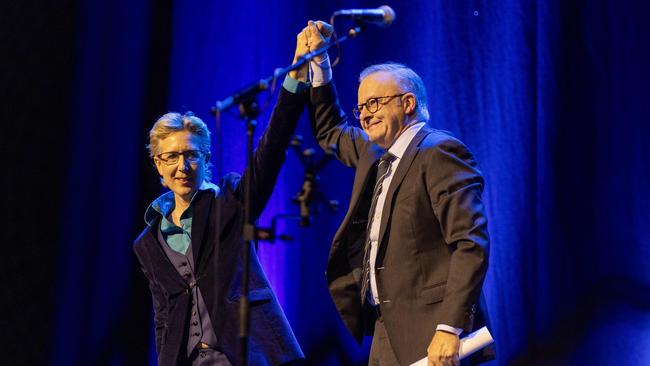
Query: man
[408, 262]
[191, 249]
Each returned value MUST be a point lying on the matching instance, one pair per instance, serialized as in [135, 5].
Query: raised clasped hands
[313, 37]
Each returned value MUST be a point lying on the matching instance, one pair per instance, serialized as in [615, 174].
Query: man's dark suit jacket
[217, 246]
[433, 239]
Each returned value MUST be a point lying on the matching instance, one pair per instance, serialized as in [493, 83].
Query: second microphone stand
[246, 99]
[249, 111]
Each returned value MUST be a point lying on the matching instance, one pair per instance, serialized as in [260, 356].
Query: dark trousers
[381, 352]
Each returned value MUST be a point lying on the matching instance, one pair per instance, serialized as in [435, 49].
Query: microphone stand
[246, 99]
[309, 193]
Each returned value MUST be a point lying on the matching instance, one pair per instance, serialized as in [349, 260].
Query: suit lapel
[360, 181]
[200, 218]
[364, 170]
[165, 271]
[398, 177]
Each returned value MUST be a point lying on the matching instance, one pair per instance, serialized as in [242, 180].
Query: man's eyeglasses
[172, 157]
[372, 105]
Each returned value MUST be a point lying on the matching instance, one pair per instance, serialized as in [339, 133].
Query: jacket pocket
[161, 336]
[260, 295]
[255, 296]
[406, 195]
[433, 293]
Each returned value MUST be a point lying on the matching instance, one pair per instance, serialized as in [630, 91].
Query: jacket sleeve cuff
[294, 86]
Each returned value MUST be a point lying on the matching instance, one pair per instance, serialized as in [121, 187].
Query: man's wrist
[320, 71]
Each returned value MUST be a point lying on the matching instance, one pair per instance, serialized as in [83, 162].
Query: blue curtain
[551, 96]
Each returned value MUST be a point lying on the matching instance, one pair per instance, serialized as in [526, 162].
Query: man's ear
[410, 103]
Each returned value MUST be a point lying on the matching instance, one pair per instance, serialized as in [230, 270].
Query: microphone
[382, 16]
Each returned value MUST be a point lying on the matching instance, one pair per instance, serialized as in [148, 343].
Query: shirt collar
[404, 139]
[165, 203]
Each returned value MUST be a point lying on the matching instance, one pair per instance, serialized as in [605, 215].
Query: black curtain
[551, 96]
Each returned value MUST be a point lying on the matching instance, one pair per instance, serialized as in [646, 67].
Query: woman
[191, 249]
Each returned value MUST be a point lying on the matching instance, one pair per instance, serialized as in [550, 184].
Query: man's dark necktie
[382, 172]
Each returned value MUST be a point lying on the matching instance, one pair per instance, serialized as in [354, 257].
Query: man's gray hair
[175, 122]
[408, 80]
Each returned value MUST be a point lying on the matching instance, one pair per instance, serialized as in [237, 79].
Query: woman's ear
[158, 164]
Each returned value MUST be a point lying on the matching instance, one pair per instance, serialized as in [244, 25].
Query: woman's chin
[183, 190]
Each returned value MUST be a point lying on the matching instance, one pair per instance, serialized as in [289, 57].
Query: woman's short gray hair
[174, 122]
[408, 79]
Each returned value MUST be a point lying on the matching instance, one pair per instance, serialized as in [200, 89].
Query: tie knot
[387, 157]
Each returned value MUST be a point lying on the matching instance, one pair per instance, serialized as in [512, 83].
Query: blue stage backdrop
[553, 97]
